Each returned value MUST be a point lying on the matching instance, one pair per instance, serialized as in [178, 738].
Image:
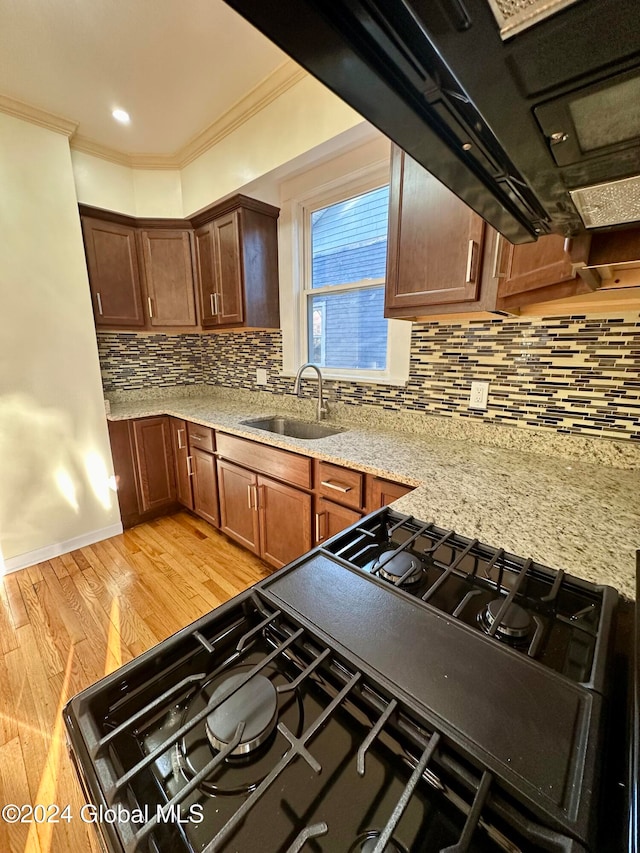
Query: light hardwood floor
[67, 622]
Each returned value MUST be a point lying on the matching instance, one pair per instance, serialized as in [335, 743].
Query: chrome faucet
[323, 409]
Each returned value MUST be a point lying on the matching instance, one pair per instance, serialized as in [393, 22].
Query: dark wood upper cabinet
[114, 276]
[435, 245]
[237, 264]
[554, 267]
[168, 267]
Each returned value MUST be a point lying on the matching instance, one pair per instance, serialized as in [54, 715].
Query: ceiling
[174, 65]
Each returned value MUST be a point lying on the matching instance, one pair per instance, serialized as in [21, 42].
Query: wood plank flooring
[69, 621]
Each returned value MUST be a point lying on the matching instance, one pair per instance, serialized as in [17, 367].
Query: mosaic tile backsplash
[574, 375]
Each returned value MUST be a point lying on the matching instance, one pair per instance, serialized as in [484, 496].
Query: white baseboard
[14, 564]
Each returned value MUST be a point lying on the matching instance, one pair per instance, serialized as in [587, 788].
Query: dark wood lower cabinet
[382, 492]
[154, 459]
[331, 518]
[205, 487]
[184, 494]
[143, 462]
[285, 522]
[239, 504]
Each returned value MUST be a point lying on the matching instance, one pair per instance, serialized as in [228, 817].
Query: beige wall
[55, 461]
[303, 117]
[136, 192]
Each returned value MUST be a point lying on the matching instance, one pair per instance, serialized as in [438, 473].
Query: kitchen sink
[294, 428]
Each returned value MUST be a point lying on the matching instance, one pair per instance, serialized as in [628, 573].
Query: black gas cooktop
[334, 707]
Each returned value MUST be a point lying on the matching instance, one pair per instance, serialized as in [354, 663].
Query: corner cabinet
[237, 265]
[436, 246]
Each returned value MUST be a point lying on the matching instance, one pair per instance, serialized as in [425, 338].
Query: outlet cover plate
[479, 397]
[261, 376]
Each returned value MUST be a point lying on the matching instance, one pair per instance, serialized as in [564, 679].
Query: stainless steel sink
[293, 427]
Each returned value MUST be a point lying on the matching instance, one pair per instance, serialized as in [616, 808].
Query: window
[344, 292]
[333, 241]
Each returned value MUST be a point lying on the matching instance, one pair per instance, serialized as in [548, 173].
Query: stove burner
[369, 845]
[393, 569]
[255, 704]
[514, 625]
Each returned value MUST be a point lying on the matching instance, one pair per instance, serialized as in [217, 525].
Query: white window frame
[296, 271]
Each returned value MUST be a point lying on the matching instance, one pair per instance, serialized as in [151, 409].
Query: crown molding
[35, 115]
[133, 161]
[275, 84]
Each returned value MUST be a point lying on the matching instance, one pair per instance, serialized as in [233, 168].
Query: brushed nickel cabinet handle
[189, 466]
[150, 304]
[319, 536]
[567, 245]
[249, 488]
[181, 446]
[338, 487]
[215, 299]
[258, 503]
[471, 275]
[197, 437]
[99, 300]
[211, 303]
[496, 258]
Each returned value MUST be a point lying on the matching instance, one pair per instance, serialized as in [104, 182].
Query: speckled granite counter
[581, 517]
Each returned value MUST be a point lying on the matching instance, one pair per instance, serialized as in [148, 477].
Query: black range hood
[529, 110]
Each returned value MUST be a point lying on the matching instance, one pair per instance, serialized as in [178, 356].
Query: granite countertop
[582, 517]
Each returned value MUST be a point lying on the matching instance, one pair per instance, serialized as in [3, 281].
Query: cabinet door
[239, 504]
[182, 463]
[169, 277]
[114, 278]
[330, 518]
[154, 460]
[285, 522]
[206, 276]
[552, 260]
[228, 261]
[125, 471]
[382, 492]
[205, 487]
[435, 243]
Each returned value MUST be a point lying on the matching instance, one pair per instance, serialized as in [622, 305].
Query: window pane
[349, 239]
[348, 329]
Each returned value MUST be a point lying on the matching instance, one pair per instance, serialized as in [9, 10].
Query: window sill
[328, 375]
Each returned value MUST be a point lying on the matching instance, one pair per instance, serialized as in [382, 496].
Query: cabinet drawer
[339, 484]
[280, 464]
[202, 437]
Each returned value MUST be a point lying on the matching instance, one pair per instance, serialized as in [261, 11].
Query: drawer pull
[338, 487]
[197, 437]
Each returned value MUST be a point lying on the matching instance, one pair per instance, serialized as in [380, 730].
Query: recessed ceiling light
[122, 116]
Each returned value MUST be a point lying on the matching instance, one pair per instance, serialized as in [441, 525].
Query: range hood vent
[612, 203]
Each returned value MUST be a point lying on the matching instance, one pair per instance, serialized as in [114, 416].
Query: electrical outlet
[261, 376]
[479, 397]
